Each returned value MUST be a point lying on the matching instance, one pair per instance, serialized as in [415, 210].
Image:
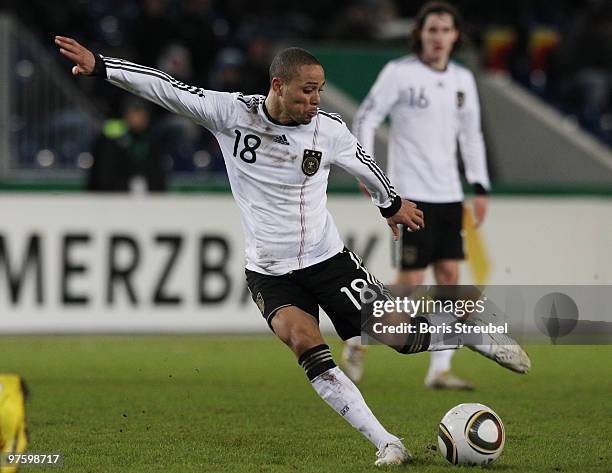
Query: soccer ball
[471, 434]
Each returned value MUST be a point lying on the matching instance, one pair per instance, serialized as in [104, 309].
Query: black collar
[433, 69]
[276, 122]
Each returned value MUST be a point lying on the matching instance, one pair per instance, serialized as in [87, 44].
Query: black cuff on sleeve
[100, 68]
[479, 189]
[390, 211]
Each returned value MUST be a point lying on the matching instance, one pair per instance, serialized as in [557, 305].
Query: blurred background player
[433, 104]
[127, 154]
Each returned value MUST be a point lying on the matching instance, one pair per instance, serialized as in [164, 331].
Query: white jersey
[278, 173]
[430, 111]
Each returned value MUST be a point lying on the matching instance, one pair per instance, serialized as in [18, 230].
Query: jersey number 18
[250, 144]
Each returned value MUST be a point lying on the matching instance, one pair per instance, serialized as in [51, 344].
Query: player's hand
[480, 209]
[80, 55]
[408, 215]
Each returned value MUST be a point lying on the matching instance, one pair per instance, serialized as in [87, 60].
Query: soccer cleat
[352, 361]
[448, 380]
[503, 349]
[393, 453]
[512, 357]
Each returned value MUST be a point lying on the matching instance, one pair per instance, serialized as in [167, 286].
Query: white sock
[486, 344]
[353, 341]
[342, 395]
[439, 362]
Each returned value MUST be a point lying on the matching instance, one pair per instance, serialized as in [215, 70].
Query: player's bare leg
[300, 332]
[353, 353]
[439, 375]
[446, 272]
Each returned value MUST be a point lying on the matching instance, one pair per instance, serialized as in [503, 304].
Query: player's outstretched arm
[82, 57]
[214, 110]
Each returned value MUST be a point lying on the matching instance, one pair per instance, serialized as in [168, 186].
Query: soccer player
[278, 150]
[433, 103]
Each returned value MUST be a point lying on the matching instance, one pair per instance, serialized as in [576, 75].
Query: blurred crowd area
[560, 50]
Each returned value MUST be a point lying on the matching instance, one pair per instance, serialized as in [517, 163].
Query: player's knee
[447, 274]
[302, 340]
[410, 279]
[299, 331]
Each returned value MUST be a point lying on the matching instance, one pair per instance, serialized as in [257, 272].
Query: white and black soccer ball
[471, 434]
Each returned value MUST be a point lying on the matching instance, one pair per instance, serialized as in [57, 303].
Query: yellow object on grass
[13, 430]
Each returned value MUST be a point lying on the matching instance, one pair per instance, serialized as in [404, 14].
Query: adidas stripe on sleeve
[214, 110]
[352, 157]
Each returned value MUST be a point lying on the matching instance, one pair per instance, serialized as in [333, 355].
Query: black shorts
[333, 284]
[440, 239]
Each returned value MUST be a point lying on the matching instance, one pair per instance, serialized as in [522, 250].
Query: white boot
[393, 453]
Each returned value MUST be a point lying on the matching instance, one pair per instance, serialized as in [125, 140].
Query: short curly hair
[286, 63]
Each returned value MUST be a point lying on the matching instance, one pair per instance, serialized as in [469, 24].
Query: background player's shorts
[333, 284]
[440, 239]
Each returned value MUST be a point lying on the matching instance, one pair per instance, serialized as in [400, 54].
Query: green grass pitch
[242, 404]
